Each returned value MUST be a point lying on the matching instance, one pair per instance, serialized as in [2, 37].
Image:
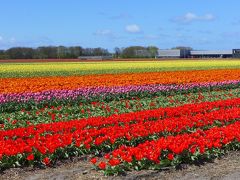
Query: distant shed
[95, 57]
[212, 54]
[173, 53]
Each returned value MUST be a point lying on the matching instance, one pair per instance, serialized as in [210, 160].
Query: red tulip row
[115, 120]
[168, 125]
[47, 138]
[171, 148]
[52, 141]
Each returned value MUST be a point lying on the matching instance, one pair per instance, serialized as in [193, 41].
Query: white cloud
[133, 28]
[191, 17]
[105, 32]
[1, 38]
[208, 17]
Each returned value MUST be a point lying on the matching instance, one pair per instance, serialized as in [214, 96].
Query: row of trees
[62, 52]
[51, 52]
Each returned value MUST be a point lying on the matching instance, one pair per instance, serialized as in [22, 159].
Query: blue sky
[201, 24]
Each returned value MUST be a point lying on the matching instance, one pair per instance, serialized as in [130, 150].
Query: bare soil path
[226, 168]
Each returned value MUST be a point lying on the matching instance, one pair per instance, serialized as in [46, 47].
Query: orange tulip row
[38, 84]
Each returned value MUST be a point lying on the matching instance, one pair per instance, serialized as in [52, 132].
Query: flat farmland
[26, 69]
[120, 117]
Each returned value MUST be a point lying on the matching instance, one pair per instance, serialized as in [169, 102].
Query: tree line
[62, 52]
[51, 52]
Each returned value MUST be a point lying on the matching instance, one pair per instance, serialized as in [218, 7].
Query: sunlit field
[82, 68]
[122, 116]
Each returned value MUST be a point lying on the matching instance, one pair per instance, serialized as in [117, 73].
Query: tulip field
[124, 116]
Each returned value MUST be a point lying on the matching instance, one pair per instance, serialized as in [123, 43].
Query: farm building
[235, 53]
[176, 53]
[211, 54]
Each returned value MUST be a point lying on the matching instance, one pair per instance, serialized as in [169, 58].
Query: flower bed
[38, 84]
[122, 121]
[103, 134]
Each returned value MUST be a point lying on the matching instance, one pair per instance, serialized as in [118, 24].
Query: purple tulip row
[104, 91]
